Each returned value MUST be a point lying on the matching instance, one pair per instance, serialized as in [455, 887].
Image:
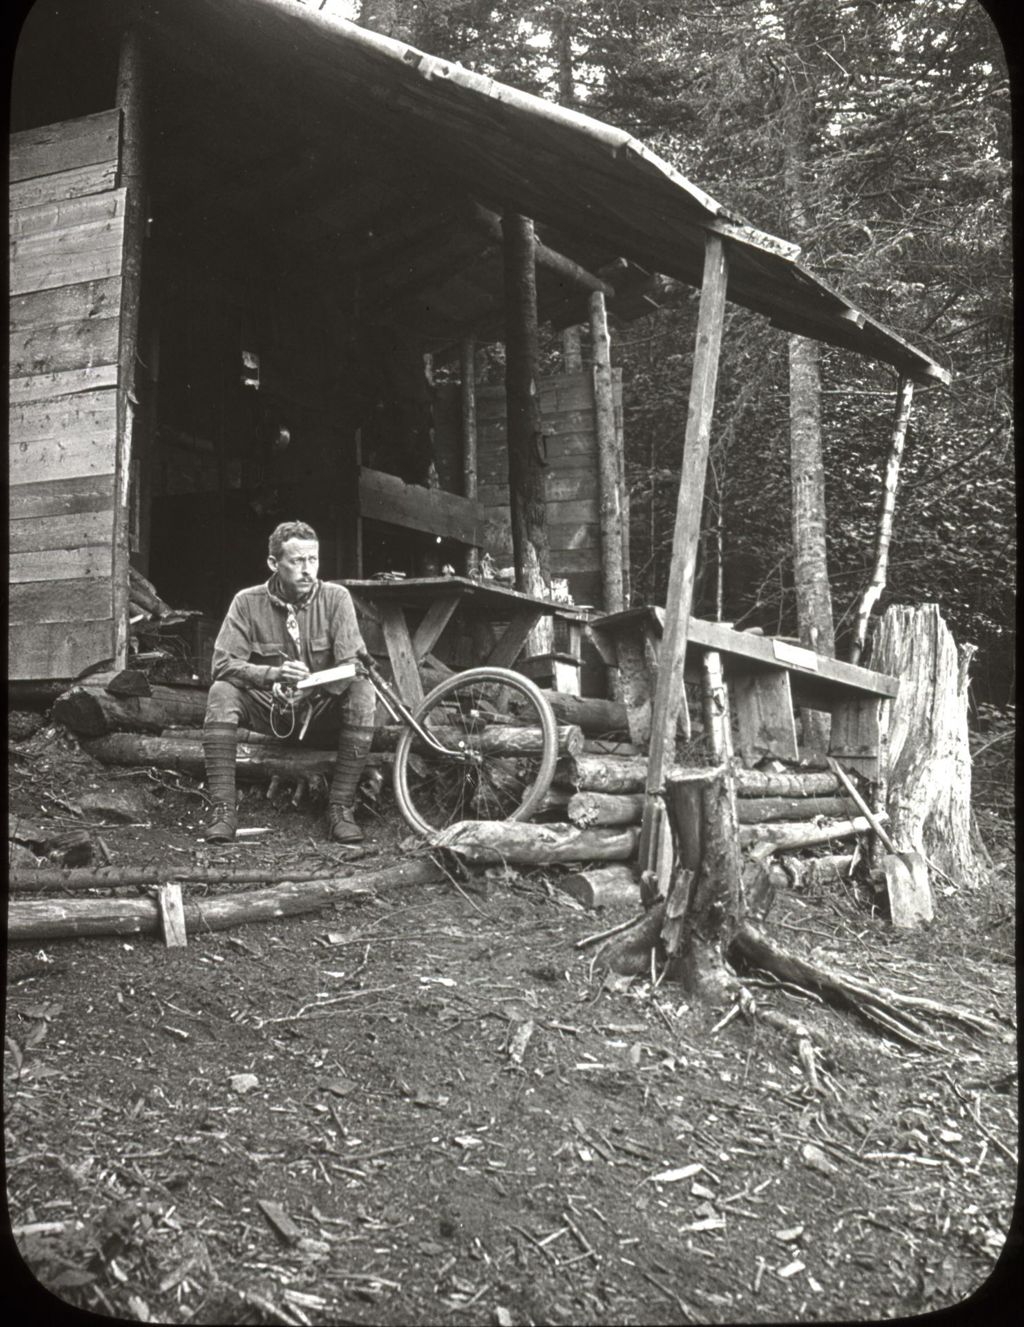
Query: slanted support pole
[608, 469]
[526, 458]
[669, 695]
[467, 360]
[131, 93]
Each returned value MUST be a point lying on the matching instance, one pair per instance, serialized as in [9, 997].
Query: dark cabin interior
[277, 353]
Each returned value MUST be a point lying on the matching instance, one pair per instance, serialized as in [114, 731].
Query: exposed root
[895, 1015]
[886, 1010]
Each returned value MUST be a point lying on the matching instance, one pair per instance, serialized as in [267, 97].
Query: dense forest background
[876, 134]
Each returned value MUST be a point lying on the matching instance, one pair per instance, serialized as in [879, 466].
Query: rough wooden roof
[376, 157]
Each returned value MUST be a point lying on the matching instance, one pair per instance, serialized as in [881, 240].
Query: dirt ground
[422, 1105]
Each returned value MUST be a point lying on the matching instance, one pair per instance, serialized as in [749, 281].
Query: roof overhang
[439, 142]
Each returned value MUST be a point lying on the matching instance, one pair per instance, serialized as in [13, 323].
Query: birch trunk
[883, 537]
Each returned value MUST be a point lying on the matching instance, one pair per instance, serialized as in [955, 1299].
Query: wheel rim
[505, 729]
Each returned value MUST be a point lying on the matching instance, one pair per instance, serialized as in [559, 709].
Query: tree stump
[702, 908]
[926, 762]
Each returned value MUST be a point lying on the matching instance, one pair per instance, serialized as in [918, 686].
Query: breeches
[334, 716]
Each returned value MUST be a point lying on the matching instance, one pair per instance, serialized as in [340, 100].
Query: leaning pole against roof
[669, 695]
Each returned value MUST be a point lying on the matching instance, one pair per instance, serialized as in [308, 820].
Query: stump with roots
[704, 935]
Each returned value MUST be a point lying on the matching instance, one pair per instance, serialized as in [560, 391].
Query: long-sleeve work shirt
[254, 639]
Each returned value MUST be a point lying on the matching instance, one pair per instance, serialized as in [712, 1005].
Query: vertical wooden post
[526, 461]
[467, 361]
[131, 103]
[608, 469]
[669, 694]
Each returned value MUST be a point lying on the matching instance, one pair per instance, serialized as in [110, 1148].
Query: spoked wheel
[501, 744]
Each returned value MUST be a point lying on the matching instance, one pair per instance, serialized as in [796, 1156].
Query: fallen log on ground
[589, 808]
[53, 919]
[256, 762]
[115, 877]
[759, 810]
[492, 842]
[602, 886]
[89, 710]
[790, 783]
[801, 834]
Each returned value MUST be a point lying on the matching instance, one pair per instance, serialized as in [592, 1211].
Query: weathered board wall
[574, 532]
[66, 241]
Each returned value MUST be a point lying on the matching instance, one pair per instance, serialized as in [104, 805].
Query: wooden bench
[768, 679]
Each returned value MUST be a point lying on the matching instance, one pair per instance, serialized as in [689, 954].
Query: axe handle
[866, 811]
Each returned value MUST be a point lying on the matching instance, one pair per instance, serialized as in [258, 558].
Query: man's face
[298, 564]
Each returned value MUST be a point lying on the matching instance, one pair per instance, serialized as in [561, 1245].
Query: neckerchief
[292, 609]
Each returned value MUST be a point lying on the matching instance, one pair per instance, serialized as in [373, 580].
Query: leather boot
[220, 745]
[353, 749]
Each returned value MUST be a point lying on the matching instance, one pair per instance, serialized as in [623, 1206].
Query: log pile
[589, 821]
[592, 816]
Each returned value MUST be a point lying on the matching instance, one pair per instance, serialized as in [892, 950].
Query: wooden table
[414, 612]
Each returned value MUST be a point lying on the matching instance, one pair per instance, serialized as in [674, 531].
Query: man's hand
[290, 672]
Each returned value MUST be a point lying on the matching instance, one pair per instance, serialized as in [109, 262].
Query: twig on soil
[461, 1308]
[451, 880]
[581, 1240]
[537, 1244]
[589, 940]
[974, 1110]
[681, 1304]
[318, 1005]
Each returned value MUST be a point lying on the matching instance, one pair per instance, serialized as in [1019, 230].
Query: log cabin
[242, 231]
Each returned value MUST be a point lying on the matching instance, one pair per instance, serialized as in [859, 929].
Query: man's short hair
[289, 530]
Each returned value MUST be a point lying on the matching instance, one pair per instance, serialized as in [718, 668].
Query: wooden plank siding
[571, 486]
[65, 184]
[66, 239]
[67, 145]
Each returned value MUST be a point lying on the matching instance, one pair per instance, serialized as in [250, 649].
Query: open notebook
[337, 674]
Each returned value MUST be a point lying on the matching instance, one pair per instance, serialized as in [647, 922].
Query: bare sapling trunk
[883, 535]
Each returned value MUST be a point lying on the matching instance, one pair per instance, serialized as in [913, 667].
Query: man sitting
[274, 635]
